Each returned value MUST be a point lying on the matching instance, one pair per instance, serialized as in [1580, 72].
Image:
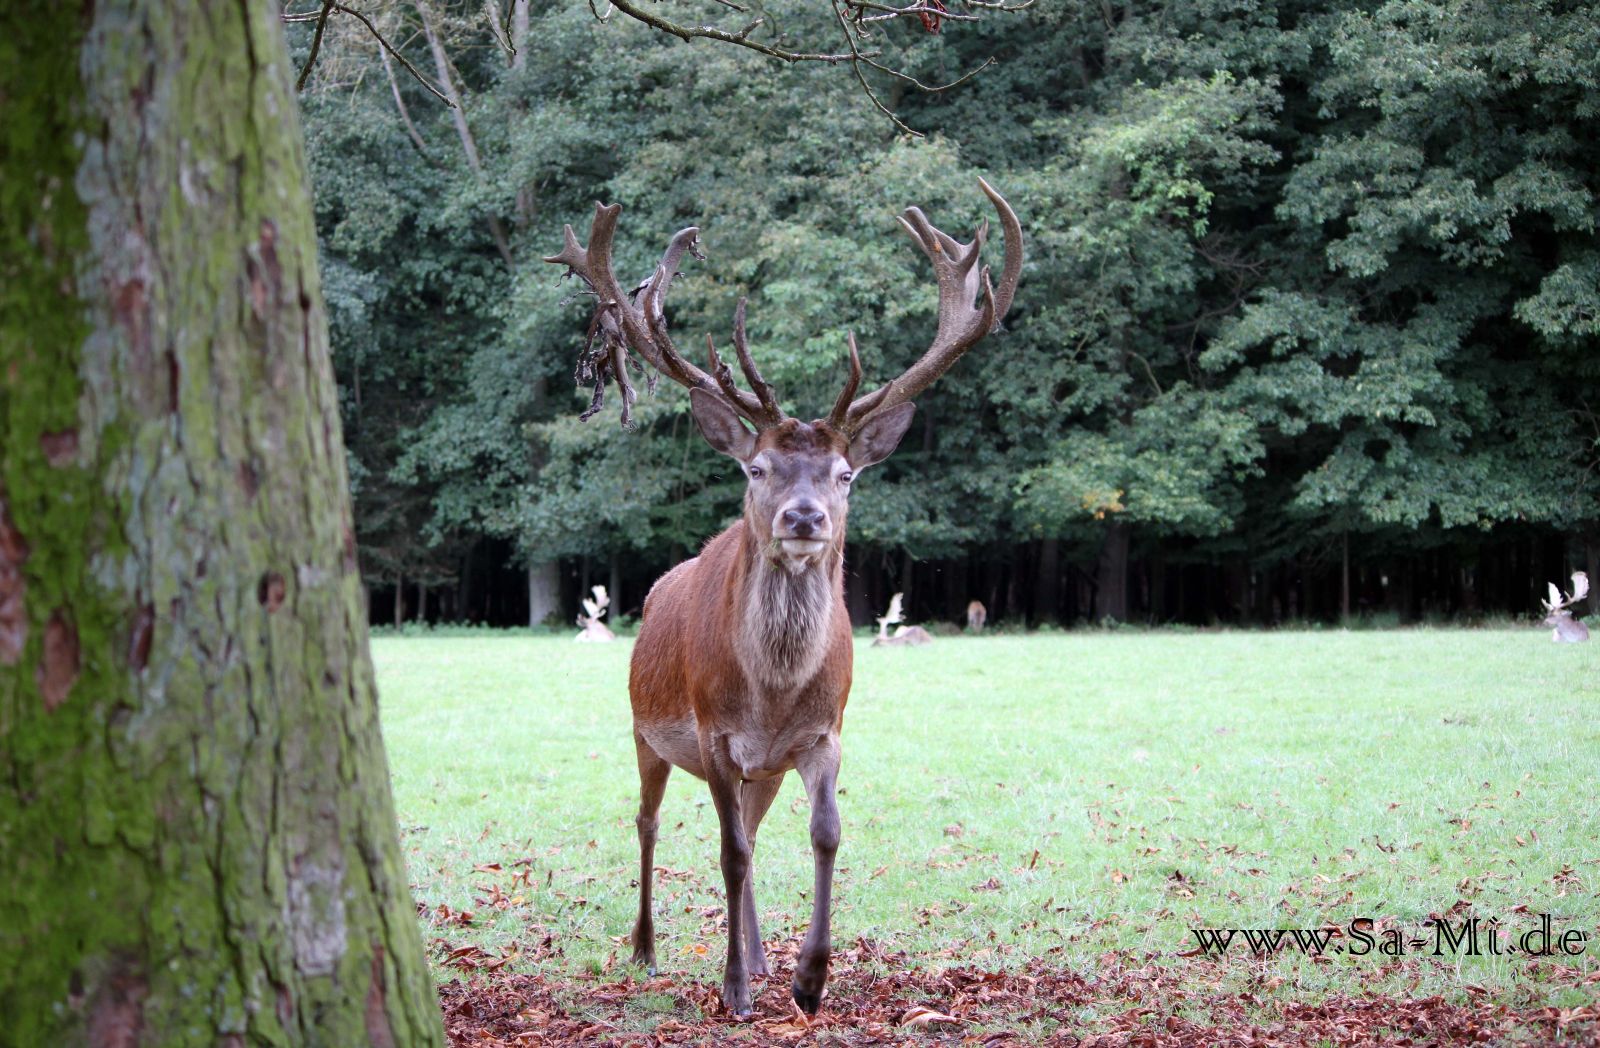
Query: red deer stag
[742, 665]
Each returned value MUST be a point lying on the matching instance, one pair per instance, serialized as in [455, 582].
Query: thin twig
[737, 7]
[364, 20]
[1148, 373]
[400, 104]
[491, 10]
[908, 78]
[316, 45]
[855, 67]
[919, 8]
[708, 32]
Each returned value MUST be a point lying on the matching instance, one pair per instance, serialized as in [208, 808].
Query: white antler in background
[1564, 627]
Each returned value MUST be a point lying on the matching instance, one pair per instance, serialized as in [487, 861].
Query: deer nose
[803, 521]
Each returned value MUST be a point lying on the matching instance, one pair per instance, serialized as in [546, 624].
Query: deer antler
[964, 317]
[1580, 590]
[638, 323]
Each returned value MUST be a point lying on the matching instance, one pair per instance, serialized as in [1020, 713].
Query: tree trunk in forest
[1591, 565]
[464, 591]
[1047, 596]
[855, 587]
[544, 591]
[1111, 575]
[200, 845]
[399, 601]
[469, 145]
[519, 34]
[614, 586]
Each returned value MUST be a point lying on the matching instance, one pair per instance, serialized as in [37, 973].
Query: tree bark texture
[199, 843]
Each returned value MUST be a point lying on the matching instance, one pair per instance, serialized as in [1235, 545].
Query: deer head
[1557, 613]
[798, 473]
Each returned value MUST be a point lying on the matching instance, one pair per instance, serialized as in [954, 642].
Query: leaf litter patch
[878, 997]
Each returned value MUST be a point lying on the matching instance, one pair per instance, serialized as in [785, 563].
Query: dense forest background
[1308, 326]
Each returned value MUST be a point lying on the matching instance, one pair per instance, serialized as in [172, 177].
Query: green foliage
[1294, 268]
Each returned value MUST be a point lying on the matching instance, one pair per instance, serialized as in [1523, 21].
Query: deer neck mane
[784, 617]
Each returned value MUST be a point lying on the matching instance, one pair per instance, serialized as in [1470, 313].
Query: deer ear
[880, 436]
[721, 426]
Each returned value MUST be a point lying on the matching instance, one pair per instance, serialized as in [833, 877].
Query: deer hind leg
[819, 769]
[754, 800]
[653, 772]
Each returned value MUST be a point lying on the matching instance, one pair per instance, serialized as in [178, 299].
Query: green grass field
[1059, 795]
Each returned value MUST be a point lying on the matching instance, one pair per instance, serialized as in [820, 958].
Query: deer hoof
[737, 1000]
[808, 1000]
[645, 960]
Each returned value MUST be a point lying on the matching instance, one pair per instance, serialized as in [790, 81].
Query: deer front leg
[754, 799]
[819, 770]
[724, 778]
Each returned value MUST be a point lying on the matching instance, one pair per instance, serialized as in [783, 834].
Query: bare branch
[856, 58]
[707, 32]
[400, 104]
[364, 20]
[470, 147]
[908, 78]
[316, 45]
[890, 13]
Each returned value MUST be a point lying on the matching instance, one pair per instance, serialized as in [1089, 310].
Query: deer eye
[846, 477]
[756, 472]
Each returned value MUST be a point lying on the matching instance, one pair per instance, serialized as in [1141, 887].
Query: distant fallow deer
[977, 616]
[1567, 629]
[903, 636]
[595, 631]
[742, 664]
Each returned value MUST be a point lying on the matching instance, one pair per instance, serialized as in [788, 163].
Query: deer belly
[677, 741]
[766, 755]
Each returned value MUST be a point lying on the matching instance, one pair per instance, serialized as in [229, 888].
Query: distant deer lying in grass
[904, 636]
[1567, 629]
[595, 631]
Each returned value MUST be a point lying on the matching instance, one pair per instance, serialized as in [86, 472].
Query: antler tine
[1580, 586]
[840, 415]
[724, 377]
[1011, 272]
[654, 292]
[969, 304]
[747, 364]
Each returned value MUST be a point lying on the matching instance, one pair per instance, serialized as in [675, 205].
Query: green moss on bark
[200, 843]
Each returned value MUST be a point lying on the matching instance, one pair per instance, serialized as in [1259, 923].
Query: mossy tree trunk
[197, 840]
